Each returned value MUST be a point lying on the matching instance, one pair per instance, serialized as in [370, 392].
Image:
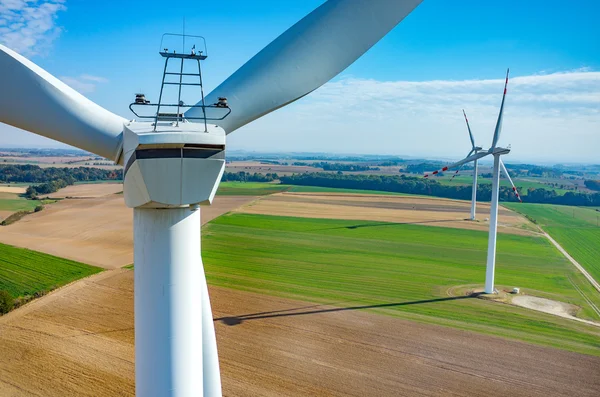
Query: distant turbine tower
[172, 166]
[496, 152]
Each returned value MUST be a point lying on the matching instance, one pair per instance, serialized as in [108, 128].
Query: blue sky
[403, 97]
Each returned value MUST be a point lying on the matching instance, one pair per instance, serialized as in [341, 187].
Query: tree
[6, 302]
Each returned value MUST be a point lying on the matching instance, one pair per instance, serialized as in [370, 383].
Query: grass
[13, 202]
[26, 273]
[348, 263]
[249, 188]
[576, 229]
[317, 189]
[103, 181]
[262, 189]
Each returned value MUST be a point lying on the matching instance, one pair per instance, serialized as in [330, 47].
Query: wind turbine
[173, 167]
[474, 150]
[495, 151]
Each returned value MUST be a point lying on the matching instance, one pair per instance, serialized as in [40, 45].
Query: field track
[78, 341]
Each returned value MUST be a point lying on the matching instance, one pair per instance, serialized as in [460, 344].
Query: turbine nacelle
[498, 150]
[172, 166]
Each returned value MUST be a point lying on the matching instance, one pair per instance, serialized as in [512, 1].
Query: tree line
[243, 176]
[428, 187]
[327, 166]
[49, 180]
[592, 185]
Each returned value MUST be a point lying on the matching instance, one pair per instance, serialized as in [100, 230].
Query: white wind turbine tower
[474, 150]
[495, 151]
[172, 166]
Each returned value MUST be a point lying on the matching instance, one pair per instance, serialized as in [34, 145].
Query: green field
[103, 181]
[249, 188]
[13, 202]
[24, 272]
[317, 189]
[262, 189]
[575, 228]
[406, 268]
[522, 185]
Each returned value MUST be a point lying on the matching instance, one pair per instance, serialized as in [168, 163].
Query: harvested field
[395, 209]
[78, 341]
[88, 190]
[13, 189]
[97, 231]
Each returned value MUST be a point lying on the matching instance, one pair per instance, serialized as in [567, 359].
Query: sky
[403, 97]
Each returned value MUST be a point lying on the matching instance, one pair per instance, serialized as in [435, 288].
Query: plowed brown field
[397, 209]
[78, 341]
[97, 231]
[89, 190]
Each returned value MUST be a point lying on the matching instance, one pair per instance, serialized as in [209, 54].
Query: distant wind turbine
[479, 153]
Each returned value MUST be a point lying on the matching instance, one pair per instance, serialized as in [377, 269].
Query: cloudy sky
[403, 97]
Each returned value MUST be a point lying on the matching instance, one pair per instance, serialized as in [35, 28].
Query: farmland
[25, 273]
[376, 265]
[521, 184]
[575, 228]
[249, 188]
[12, 202]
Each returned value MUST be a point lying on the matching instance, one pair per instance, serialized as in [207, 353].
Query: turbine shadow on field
[236, 320]
[352, 227]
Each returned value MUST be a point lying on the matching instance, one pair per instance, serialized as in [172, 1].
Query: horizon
[333, 155]
[404, 97]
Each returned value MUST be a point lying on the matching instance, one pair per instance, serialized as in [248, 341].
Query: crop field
[249, 188]
[263, 189]
[401, 270]
[318, 189]
[577, 229]
[521, 184]
[12, 202]
[24, 272]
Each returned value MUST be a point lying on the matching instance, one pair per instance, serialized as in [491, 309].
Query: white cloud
[84, 83]
[29, 26]
[547, 117]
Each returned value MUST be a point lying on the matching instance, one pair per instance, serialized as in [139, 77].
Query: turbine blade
[469, 128]
[460, 168]
[306, 56]
[514, 188]
[35, 101]
[467, 159]
[499, 122]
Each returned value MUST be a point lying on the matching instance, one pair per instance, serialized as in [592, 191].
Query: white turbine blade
[499, 122]
[459, 163]
[36, 101]
[460, 168]
[514, 188]
[306, 56]
[469, 128]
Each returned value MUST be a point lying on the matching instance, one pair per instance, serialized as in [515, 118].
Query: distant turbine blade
[306, 56]
[36, 101]
[460, 168]
[468, 159]
[456, 172]
[469, 128]
[499, 122]
[514, 188]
